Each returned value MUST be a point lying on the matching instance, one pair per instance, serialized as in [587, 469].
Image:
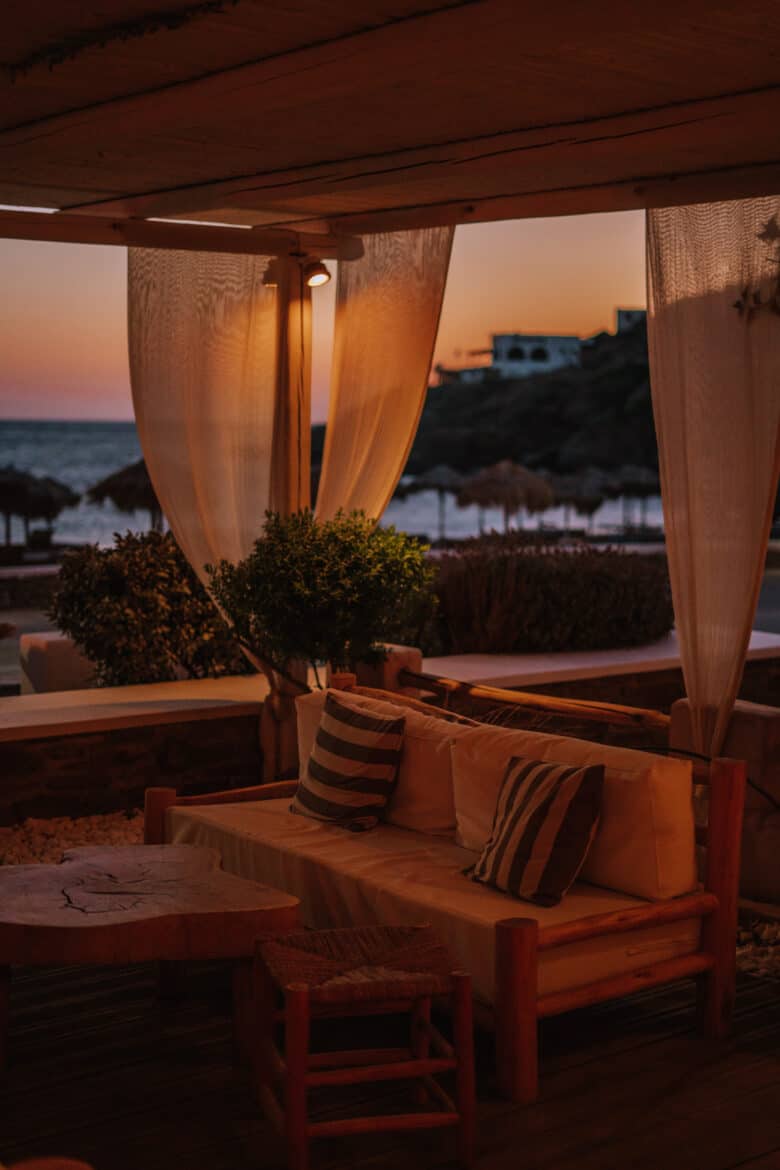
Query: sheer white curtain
[220, 377]
[387, 314]
[220, 365]
[713, 273]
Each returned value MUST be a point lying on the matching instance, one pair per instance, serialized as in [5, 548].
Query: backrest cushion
[423, 798]
[543, 826]
[645, 842]
[352, 768]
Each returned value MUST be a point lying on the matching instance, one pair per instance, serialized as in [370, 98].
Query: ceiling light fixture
[316, 273]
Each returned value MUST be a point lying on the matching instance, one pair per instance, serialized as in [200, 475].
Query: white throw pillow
[645, 844]
[423, 799]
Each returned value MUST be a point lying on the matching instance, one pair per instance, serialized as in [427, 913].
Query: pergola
[347, 118]
[321, 130]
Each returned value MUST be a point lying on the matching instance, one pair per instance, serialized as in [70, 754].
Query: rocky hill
[598, 413]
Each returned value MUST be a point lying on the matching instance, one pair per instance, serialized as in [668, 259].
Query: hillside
[599, 413]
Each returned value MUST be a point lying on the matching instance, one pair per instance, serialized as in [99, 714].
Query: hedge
[501, 596]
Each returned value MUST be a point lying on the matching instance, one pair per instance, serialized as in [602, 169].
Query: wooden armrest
[621, 921]
[157, 801]
[271, 791]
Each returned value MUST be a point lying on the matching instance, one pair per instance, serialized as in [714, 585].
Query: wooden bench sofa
[637, 917]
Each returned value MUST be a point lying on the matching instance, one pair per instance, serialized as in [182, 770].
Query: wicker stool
[370, 970]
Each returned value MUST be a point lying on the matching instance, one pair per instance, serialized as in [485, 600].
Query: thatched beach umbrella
[129, 490]
[584, 493]
[15, 488]
[508, 486]
[637, 483]
[32, 497]
[441, 479]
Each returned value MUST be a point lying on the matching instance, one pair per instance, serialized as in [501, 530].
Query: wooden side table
[135, 904]
[368, 970]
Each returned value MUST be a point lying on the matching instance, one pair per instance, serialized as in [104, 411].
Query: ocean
[82, 453]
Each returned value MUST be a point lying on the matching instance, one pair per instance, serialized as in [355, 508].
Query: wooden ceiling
[353, 117]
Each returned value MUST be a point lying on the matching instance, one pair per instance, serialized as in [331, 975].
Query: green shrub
[140, 614]
[498, 596]
[324, 591]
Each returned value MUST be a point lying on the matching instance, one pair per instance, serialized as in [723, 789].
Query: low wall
[80, 752]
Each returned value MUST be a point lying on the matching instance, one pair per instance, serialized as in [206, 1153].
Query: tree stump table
[135, 904]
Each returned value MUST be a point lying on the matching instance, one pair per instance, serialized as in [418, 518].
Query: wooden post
[296, 1002]
[517, 1057]
[717, 988]
[157, 801]
[465, 1089]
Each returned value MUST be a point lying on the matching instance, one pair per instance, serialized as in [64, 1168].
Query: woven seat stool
[369, 970]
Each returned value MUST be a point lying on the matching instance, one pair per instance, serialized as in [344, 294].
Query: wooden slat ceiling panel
[113, 54]
[477, 100]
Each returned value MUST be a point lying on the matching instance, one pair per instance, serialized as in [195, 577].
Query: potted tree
[319, 594]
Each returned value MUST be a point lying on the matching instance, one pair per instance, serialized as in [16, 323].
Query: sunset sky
[63, 340]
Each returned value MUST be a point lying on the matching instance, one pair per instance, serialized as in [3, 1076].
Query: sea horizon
[80, 452]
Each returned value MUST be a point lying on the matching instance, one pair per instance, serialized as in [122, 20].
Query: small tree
[140, 614]
[323, 590]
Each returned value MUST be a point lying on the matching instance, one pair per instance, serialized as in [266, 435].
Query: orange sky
[63, 343]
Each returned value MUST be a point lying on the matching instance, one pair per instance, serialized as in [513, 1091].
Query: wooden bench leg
[296, 1002]
[465, 1086]
[5, 1010]
[717, 989]
[517, 1056]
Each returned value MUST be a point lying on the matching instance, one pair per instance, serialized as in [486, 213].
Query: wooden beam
[632, 195]
[499, 174]
[145, 233]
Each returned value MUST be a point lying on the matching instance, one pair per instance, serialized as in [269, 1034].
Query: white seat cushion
[393, 876]
[645, 843]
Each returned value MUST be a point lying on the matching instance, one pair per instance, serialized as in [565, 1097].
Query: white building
[517, 355]
[627, 318]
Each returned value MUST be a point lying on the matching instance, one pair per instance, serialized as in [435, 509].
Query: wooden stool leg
[465, 1087]
[517, 1055]
[420, 1042]
[296, 1000]
[5, 1008]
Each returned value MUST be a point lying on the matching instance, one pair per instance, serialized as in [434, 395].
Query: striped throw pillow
[545, 820]
[353, 767]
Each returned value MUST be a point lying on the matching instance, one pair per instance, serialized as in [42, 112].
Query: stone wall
[92, 772]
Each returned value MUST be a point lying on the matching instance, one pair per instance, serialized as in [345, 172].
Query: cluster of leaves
[499, 596]
[323, 591]
[139, 613]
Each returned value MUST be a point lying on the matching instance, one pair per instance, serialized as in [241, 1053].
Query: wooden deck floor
[102, 1072]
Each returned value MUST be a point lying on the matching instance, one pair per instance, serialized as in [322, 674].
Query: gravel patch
[45, 840]
[758, 948]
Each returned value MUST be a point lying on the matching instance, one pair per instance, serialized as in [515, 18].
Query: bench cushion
[395, 876]
[423, 799]
[645, 843]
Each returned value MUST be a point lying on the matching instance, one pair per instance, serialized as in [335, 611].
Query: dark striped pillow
[545, 820]
[353, 767]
